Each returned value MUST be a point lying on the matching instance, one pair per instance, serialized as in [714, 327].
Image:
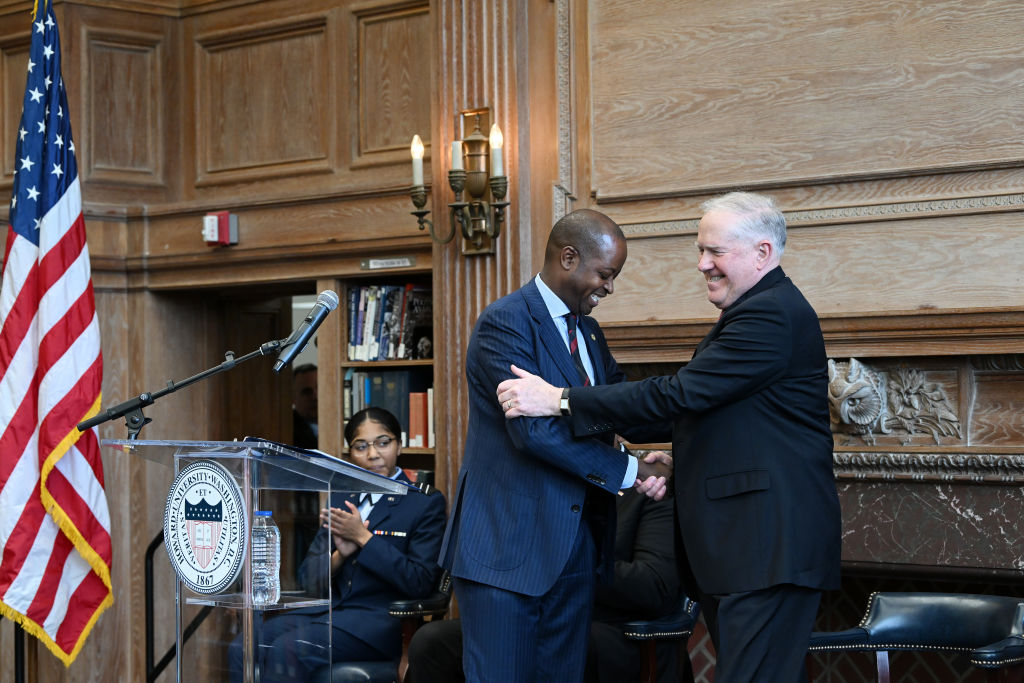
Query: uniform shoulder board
[425, 488]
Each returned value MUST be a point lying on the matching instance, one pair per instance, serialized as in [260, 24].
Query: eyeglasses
[380, 443]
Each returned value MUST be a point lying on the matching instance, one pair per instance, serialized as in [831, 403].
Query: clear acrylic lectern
[207, 528]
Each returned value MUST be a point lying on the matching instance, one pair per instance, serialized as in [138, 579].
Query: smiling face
[730, 259]
[591, 278]
[375, 448]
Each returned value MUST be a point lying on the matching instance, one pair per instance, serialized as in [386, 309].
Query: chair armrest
[434, 605]
[924, 621]
[677, 624]
[850, 639]
[1006, 652]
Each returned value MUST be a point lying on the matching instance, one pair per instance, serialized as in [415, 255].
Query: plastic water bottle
[266, 559]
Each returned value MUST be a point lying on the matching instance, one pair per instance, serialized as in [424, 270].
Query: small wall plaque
[386, 263]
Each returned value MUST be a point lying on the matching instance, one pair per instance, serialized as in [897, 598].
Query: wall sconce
[475, 172]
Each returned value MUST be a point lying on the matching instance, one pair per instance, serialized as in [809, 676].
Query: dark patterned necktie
[574, 348]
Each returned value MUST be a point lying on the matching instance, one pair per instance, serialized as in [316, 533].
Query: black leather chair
[923, 621]
[677, 626]
[1007, 653]
[412, 613]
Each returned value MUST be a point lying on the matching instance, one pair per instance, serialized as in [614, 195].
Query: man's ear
[764, 253]
[570, 258]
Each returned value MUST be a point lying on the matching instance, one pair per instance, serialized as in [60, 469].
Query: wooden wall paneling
[123, 74]
[126, 108]
[264, 100]
[124, 621]
[475, 66]
[685, 103]
[393, 78]
[14, 48]
[259, 400]
[876, 269]
[331, 352]
[331, 95]
[997, 409]
[7, 647]
[281, 242]
[692, 97]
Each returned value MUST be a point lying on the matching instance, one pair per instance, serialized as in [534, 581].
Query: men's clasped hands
[530, 396]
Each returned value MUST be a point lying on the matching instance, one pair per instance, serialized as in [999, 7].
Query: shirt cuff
[631, 467]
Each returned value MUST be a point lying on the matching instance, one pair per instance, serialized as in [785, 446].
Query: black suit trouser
[761, 635]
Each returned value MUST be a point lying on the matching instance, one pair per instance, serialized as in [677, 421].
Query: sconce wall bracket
[478, 209]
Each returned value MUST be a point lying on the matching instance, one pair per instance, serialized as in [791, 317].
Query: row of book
[405, 393]
[390, 322]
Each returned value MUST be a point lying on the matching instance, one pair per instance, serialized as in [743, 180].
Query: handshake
[529, 395]
[652, 474]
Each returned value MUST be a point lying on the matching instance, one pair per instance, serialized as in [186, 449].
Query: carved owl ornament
[856, 399]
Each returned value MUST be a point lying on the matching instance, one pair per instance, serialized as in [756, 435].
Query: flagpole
[19, 653]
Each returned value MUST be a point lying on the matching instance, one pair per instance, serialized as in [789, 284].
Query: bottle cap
[261, 513]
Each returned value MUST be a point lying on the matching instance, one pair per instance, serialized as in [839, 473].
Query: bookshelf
[386, 357]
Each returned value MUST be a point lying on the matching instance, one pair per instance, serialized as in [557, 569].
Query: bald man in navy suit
[533, 517]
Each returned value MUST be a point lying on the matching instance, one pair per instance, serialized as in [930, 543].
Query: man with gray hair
[751, 444]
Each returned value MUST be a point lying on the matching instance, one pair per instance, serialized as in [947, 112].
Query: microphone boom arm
[135, 420]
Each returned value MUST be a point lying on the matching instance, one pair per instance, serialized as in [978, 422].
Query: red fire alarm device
[220, 228]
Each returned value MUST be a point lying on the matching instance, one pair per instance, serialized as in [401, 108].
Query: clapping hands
[348, 530]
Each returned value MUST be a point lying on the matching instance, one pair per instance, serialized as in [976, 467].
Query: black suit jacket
[303, 435]
[751, 442]
[646, 581]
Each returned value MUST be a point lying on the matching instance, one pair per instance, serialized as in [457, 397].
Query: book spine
[418, 419]
[430, 417]
[353, 314]
[346, 409]
[357, 328]
[358, 389]
[371, 310]
[404, 350]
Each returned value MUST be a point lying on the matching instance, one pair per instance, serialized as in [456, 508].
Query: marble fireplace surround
[935, 480]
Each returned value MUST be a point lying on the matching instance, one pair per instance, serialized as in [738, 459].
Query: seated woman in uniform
[382, 549]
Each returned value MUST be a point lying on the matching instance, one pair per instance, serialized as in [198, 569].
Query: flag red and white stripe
[55, 547]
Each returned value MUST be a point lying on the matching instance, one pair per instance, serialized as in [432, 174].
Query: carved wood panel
[261, 109]
[394, 80]
[127, 105]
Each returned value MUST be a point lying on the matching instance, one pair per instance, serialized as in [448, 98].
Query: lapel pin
[593, 337]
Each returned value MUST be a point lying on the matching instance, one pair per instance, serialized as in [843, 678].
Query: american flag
[55, 550]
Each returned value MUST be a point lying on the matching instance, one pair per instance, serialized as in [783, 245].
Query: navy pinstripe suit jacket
[523, 482]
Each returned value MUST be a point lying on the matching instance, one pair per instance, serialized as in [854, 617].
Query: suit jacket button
[575, 508]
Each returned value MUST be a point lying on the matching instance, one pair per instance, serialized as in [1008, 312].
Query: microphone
[326, 302]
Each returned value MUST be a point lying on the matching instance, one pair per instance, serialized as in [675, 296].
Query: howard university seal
[205, 527]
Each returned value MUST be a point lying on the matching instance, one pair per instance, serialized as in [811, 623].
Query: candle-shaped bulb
[417, 160]
[457, 155]
[496, 140]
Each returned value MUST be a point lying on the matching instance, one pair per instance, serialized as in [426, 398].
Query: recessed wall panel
[13, 68]
[126, 102]
[394, 79]
[264, 102]
[690, 97]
